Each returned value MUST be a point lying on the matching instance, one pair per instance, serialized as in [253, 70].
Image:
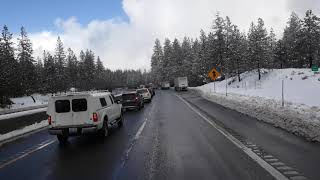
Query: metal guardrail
[9, 111]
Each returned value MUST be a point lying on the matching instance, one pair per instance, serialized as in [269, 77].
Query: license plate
[73, 130]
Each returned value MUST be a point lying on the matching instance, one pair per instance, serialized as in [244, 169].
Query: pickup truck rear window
[79, 105]
[62, 106]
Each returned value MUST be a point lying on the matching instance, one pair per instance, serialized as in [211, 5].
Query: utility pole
[227, 84]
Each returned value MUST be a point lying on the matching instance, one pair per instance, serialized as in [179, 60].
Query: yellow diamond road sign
[213, 74]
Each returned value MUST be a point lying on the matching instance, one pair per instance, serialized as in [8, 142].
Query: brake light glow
[95, 117]
[49, 120]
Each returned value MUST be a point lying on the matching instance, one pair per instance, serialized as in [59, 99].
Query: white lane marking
[277, 164]
[298, 178]
[268, 156]
[140, 130]
[136, 137]
[291, 172]
[284, 168]
[26, 154]
[274, 172]
[272, 160]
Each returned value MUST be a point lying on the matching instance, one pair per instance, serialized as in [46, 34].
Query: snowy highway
[176, 136]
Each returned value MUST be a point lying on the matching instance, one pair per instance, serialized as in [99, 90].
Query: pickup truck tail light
[49, 120]
[95, 117]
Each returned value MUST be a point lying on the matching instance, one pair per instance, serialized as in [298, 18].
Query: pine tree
[156, 61]
[166, 70]
[60, 62]
[237, 50]
[258, 45]
[229, 64]
[100, 83]
[50, 73]
[72, 70]
[186, 58]
[272, 41]
[291, 44]
[219, 30]
[311, 37]
[196, 64]
[40, 77]
[82, 71]
[87, 69]
[26, 63]
[176, 61]
[211, 54]
[280, 54]
[203, 57]
[9, 83]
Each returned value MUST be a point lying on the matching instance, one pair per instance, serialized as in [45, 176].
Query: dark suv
[132, 100]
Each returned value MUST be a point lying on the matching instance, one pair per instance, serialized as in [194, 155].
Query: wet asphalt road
[165, 140]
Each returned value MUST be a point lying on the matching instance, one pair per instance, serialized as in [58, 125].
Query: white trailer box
[181, 83]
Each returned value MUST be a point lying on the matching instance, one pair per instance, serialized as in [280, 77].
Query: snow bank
[300, 85]
[27, 101]
[262, 99]
[24, 130]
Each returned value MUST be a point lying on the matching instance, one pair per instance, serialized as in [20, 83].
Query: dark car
[132, 100]
[152, 91]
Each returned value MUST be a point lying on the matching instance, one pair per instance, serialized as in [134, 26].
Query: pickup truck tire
[120, 122]
[104, 132]
[63, 139]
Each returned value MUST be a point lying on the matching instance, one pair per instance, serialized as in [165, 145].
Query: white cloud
[122, 44]
[300, 6]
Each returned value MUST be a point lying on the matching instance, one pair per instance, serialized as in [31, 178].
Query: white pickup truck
[82, 113]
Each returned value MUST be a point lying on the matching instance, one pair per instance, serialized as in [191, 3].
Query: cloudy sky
[122, 33]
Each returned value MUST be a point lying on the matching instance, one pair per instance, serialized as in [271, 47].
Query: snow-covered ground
[24, 130]
[262, 99]
[27, 101]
